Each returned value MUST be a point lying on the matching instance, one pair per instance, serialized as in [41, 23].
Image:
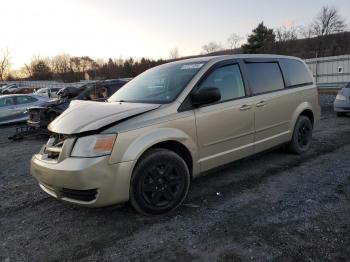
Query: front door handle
[245, 107]
[261, 104]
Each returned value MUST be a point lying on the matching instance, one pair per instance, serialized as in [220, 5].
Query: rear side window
[295, 72]
[25, 99]
[228, 80]
[264, 77]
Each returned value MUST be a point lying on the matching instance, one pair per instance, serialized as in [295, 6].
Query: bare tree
[234, 40]
[174, 53]
[75, 64]
[5, 63]
[119, 61]
[86, 63]
[305, 32]
[99, 62]
[327, 22]
[60, 64]
[211, 47]
[39, 69]
[284, 33]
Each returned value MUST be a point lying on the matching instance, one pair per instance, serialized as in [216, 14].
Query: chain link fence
[42, 84]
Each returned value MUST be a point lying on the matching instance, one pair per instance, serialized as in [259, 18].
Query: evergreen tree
[260, 40]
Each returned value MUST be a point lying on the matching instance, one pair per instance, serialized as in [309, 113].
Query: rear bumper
[91, 182]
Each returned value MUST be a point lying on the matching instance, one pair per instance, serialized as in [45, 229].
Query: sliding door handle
[245, 107]
[261, 104]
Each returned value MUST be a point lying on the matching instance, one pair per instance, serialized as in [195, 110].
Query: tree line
[71, 69]
[325, 36]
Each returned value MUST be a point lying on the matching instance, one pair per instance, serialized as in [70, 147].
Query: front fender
[133, 151]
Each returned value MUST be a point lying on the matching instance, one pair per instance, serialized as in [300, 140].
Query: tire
[159, 183]
[340, 114]
[302, 136]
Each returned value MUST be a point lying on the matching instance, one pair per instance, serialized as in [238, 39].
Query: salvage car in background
[50, 92]
[9, 88]
[342, 101]
[14, 108]
[23, 90]
[3, 87]
[40, 117]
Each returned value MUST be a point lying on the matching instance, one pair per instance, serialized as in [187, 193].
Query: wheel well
[308, 113]
[179, 149]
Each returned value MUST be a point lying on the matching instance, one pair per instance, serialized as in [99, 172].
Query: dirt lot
[273, 206]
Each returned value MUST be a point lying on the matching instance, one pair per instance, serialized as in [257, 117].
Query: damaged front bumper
[91, 182]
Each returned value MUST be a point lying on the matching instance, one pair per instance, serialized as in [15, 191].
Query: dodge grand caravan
[172, 123]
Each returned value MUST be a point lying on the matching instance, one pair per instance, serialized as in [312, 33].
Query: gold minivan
[172, 123]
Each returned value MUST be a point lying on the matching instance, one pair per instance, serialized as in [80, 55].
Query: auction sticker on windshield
[191, 66]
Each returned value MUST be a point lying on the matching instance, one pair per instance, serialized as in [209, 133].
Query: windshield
[160, 85]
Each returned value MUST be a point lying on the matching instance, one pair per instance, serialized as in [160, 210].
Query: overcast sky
[150, 28]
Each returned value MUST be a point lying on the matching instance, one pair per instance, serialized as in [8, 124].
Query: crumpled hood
[83, 116]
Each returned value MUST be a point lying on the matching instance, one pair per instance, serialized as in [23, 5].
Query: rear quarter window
[295, 72]
[264, 77]
[26, 99]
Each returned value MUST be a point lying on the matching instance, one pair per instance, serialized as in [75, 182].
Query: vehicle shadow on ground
[235, 177]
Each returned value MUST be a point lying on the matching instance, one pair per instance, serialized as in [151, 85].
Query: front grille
[34, 116]
[54, 146]
[81, 195]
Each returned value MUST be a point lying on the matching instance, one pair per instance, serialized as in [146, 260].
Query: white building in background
[330, 72]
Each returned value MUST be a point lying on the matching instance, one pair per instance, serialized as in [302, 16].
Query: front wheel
[302, 136]
[159, 183]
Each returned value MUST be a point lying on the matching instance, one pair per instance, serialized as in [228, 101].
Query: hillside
[332, 45]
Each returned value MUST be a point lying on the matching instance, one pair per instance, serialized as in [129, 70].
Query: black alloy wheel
[161, 185]
[302, 135]
[160, 182]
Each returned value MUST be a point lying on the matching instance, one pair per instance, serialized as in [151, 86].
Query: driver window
[228, 80]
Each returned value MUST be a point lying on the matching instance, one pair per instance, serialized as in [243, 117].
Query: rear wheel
[340, 114]
[302, 136]
[159, 183]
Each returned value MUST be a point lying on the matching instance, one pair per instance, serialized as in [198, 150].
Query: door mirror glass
[206, 96]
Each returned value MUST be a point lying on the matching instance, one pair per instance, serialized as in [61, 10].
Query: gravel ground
[270, 207]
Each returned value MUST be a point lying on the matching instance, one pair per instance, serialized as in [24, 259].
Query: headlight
[93, 146]
[340, 97]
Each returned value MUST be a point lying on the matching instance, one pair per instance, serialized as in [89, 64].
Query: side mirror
[206, 96]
